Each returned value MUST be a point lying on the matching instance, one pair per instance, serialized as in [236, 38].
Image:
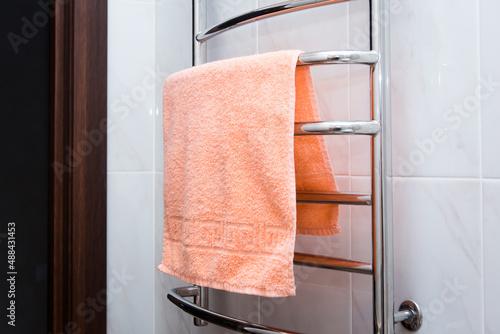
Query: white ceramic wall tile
[362, 304]
[130, 253]
[361, 250]
[158, 216]
[241, 41]
[315, 309]
[168, 318]
[361, 229]
[491, 234]
[359, 85]
[131, 85]
[359, 26]
[490, 90]
[173, 45]
[308, 30]
[232, 304]
[435, 73]
[438, 252]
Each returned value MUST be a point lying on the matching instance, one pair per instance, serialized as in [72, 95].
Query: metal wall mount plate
[414, 322]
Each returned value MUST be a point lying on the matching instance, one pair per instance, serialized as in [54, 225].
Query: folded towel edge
[229, 287]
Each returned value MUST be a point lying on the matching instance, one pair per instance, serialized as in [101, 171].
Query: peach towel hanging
[231, 171]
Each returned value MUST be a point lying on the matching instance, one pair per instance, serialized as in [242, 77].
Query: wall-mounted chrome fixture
[380, 199]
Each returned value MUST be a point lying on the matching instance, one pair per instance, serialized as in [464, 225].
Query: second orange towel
[231, 171]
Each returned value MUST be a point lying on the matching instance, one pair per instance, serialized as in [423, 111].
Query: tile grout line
[449, 178]
[154, 165]
[481, 198]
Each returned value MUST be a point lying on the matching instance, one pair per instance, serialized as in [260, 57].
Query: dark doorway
[24, 173]
[53, 95]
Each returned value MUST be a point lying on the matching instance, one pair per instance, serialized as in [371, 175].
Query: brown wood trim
[77, 282]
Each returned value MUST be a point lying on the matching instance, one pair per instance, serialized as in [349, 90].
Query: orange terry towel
[231, 171]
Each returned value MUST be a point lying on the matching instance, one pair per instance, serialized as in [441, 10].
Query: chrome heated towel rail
[381, 267]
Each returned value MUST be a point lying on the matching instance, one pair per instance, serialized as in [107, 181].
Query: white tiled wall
[446, 185]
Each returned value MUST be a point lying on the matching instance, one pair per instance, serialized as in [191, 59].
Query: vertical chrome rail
[382, 243]
[199, 23]
[199, 57]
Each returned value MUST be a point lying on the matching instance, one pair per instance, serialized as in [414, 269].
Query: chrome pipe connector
[409, 315]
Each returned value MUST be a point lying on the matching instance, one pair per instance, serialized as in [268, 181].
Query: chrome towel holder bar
[380, 199]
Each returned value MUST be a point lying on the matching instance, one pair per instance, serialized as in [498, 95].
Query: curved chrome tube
[177, 295]
[337, 128]
[338, 57]
[261, 13]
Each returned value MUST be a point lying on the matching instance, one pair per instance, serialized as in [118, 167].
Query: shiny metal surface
[338, 57]
[199, 57]
[261, 13]
[177, 296]
[334, 197]
[201, 299]
[382, 239]
[335, 263]
[402, 315]
[199, 22]
[409, 315]
[337, 128]
[382, 242]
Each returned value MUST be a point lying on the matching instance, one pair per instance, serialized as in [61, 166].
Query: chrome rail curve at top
[177, 296]
[261, 13]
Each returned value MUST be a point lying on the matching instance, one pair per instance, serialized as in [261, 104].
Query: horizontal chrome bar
[177, 295]
[337, 128]
[402, 315]
[261, 13]
[409, 315]
[334, 197]
[338, 57]
[339, 264]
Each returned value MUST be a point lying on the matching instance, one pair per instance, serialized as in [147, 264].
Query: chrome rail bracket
[201, 299]
[409, 315]
[200, 295]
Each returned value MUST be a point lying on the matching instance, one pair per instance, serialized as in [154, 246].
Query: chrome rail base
[177, 296]
[409, 315]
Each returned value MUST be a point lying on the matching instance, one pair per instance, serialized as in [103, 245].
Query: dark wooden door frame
[77, 276]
